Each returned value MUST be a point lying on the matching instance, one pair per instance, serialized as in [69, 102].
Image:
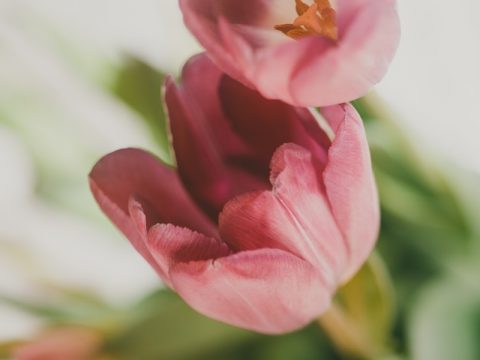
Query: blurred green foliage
[166, 328]
[429, 230]
[367, 305]
[139, 86]
[445, 321]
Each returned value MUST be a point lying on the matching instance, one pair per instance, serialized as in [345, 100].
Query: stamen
[301, 7]
[323, 4]
[309, 20]
[317, 19]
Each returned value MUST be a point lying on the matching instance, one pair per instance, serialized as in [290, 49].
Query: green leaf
[361, 317]
[368, 299]
[445, 322]
[426, 217]
[69, 307]
[169, 329]
[165, 327]
[139, 86]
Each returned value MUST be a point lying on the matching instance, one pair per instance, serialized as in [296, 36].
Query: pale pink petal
[202, 20]
[276, 67]
[171, 244]
[294, 216]
[257, 220]
[313, 71]
[267, 290]
[351, 189]
[334, 115]
[369, 37]
[298, 186]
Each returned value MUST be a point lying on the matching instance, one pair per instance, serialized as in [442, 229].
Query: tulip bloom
[265, 215]
[312, 53]
[62, 344]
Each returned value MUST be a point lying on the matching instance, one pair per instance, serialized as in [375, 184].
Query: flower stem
[347, 336]
[360, 318]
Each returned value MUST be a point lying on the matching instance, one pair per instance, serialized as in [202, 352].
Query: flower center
[316, 19]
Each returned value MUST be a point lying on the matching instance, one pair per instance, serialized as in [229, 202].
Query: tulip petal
[128, 226]
[122, 180]
[266, 124]
[199, 164]
[360, 59]
[200, 86]
[171, 244]
[257, 220]
[334, 115]
[350, 187]
[313, 71]
[294, 216]
[200, 18]
[266, 290]
[225, 134]
[202, 138]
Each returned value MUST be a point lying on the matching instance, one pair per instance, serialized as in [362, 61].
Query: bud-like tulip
[265, 215]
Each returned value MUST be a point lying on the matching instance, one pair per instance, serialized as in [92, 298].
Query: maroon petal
[202, 137]
[266, 124]
[225, 134]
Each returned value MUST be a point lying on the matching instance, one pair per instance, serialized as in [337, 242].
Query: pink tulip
[61, 344]
[306, 55]
[264, 217]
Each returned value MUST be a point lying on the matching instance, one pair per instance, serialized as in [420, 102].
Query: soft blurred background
[80, 79]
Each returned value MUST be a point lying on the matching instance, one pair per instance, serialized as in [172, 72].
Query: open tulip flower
[265, 215]
[306, 53]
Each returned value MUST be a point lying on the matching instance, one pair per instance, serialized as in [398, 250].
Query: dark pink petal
[199, 164]
[294, 216]
[202, 138]
[266, 124]
[350, 187]
[199, 89]
[267, 290]
[171, 244]
[225, 134]
[135, 190]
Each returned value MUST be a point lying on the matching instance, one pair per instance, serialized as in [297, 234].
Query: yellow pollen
[317, 19]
